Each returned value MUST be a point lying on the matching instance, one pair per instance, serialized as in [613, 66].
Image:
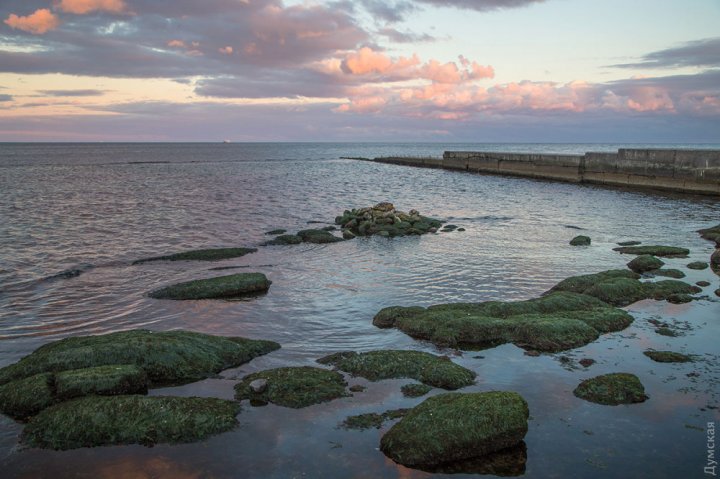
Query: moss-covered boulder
[668, 272]
[415, 390]
[698, 265]
[629, 243]
[555, 322]
[456, 427]
[384, 220]
[284, 240]
[612, 389]
[168, 358]
[275, 232]
[645, 263]
[320, 236]
[622, 287]
[294, 387]
[667, 357]
[26, 397]
[110, 420]
[101, 380]
[715, 260]
[655, 250]
[222, 287]
[436, 371]
[215, 254]
[580, 241]
[372, 420]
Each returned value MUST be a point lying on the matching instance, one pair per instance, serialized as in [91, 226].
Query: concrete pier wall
[691, 171]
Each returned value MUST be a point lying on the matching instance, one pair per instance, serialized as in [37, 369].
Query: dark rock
[586, 362]
[275, 232]
[698, 265]
[318, 236]
[703, 284]
[580, 241]
[283, 240]
[357, 388]
[215, 254]
[645, 263]
[232, 286]
[629, 243]
[662, 251]
[667, 357]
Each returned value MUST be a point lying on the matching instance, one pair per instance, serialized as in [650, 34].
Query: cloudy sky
[367, 70]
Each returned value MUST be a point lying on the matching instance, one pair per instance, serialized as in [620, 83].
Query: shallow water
[96, 208]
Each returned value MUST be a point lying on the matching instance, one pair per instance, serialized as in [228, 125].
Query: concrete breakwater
[690, 171]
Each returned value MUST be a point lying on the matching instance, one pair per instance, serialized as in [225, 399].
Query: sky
[640, 71]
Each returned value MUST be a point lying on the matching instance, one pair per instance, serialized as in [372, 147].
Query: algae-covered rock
[711, 234]
[415, 390]
[665, 331]
[215, 254]
[670, 273]
[715, 260]
[232, 286]
[101, 380]
[26, 397]
[698, 265]
[108, 420]
[283, 240]
[555, 322]
[622, 287]
[645, 263]
[580, 241]
[372, 420]
[655, 250]
[436, 371]
[703, 284]
[612, 389]
[629, 243]
[294, 387]
[320, 236]
[456, 427]
[168, 358]
[384, 220]
[275, 232]
[667, 357]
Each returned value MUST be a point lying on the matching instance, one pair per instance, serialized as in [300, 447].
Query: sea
[74, 217]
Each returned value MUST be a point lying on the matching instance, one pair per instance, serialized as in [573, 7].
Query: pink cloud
[39, 22]
[82, 7]
[176, 44]
[366, 61]
[228, 50]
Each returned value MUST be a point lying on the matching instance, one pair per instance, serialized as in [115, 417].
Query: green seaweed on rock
[655, 250]
[612, 389]
[667, 357]
[232, 286]
[215, 254]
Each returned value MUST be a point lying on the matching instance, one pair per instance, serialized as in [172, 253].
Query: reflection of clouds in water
[131, 467]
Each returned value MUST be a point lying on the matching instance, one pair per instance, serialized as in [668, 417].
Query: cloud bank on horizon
[343, 70]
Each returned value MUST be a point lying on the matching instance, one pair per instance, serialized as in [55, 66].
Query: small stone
[461, 229]
[698, 265]
[357, 388]
[580, 241]
[587, 362]
[703, 284]
[258, 386]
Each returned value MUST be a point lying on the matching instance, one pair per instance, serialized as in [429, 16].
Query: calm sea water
[98, 207]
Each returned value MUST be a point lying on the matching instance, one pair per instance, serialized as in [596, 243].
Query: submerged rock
[662, 251]
[629, 243]
[384, 220]
[275, 232]
[665, 331]
[283, 240]
[215, 254]
[703, 284]
[232, 286]
[294, 387]
[456, 427]
[698, 265]
[580, 241]
[436, 371]
[645, 263]
[554, 322]
[612, 389]
[372, 420]
[622, 287]
[711, 234]
[167, 358]
[321, 236]
[667, 357]
[109, 420]
[415, 390]
[670, 273]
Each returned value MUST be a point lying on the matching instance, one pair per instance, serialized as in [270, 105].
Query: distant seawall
[689, 171]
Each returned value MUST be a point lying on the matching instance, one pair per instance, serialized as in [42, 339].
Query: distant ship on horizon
[227, 141]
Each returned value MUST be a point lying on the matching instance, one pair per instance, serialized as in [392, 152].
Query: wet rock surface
[222, 287]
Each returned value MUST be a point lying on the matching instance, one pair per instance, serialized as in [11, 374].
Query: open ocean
[95, 208]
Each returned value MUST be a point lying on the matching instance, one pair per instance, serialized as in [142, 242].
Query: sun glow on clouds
[82, 7]
[37, 23]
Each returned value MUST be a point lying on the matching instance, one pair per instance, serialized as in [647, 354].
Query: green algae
[415, 390]
[554, 322]
[612, 389]
[214, 254]
[26, 397]
[275, 232]
[622, 287]
[667, 357]
[698, 265]
[629, 243]
[665, 331]
[580, 241]
[111, 420]
[711, 234]
[101, 380]
[668, 272]
[283, 240]
[655, 250]
[455, 427]
[372, 420]
[168, 358]
[645, 263]
[294, 387]
[316, 236]
[436, 371]
[232, 286]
